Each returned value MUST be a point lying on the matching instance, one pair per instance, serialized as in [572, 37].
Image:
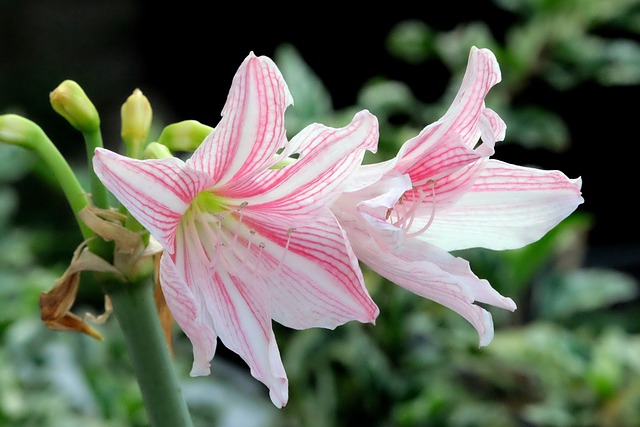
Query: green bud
[17, 130]
[184, 136]
[70, 101]
[136, 115]
[153, 150]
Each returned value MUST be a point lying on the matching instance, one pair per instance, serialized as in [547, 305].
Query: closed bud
[184, 136]
[153, 150]
[136, 115]
[72, 103]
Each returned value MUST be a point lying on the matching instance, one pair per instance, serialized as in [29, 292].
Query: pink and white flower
[245, 241]
[442, 192]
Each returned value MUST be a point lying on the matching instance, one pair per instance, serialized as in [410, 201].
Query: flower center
[217, 230]
[405, 211]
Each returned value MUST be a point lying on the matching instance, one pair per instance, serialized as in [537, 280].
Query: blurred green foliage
[569, 356]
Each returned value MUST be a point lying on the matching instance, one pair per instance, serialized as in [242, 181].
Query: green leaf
[583, 290]
[411, 41]
[535, 127]
[312, 101]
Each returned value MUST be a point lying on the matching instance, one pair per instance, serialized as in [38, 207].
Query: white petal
[328, 160]
[186, 311]
[507, 207]
[252, 125]
[316, 281]
[155, 192]
[434, 274]
[240, 311]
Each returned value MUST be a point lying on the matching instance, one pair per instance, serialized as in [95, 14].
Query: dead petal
[55, 305]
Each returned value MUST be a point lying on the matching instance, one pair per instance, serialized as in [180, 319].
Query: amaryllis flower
[443, 193]
[247, 240]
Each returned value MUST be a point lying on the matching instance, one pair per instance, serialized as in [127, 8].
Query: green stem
[75, 194]
[99, 194]
[135, 309]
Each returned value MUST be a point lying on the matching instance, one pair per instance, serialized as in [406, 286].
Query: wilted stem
[134, 307]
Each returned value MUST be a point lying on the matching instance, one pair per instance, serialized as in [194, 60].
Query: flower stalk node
[131, 256]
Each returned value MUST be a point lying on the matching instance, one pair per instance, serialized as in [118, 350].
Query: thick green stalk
[135, 309]
[56, 163]
[99, 194]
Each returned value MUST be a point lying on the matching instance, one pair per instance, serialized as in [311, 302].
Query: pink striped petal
[316, 280]
[446, 156]
[492, 130]
[241, 314]
[155, 192]
[328, 159]
[231, 300]
[252, 125]
[186, 310]
[369, 174]
[464, 116]
[507, 207]
[432, 273]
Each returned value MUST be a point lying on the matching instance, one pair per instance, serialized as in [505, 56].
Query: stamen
[433, 212]
[409, 214]
[237, 230]
[258, 257]
[286, 249]
[252, 234]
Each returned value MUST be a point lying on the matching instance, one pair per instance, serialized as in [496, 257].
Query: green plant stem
[75, 194]
[99, 194]
[135, 309]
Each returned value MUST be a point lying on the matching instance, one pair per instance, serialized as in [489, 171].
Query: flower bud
[70, 101]
[17, 130]
[153, 150]
[136, 118]
[184, 136]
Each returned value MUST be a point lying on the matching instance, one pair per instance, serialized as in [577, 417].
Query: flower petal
[467, 115]
[156, 192]
[317, 280]
[252, 125]
[186, 311]
[328, 159]
[445, 156]
[241, 314]
[237, 308]
[507, 207]
[434, 274]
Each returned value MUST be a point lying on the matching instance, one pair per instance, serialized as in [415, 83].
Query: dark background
[183, 57]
